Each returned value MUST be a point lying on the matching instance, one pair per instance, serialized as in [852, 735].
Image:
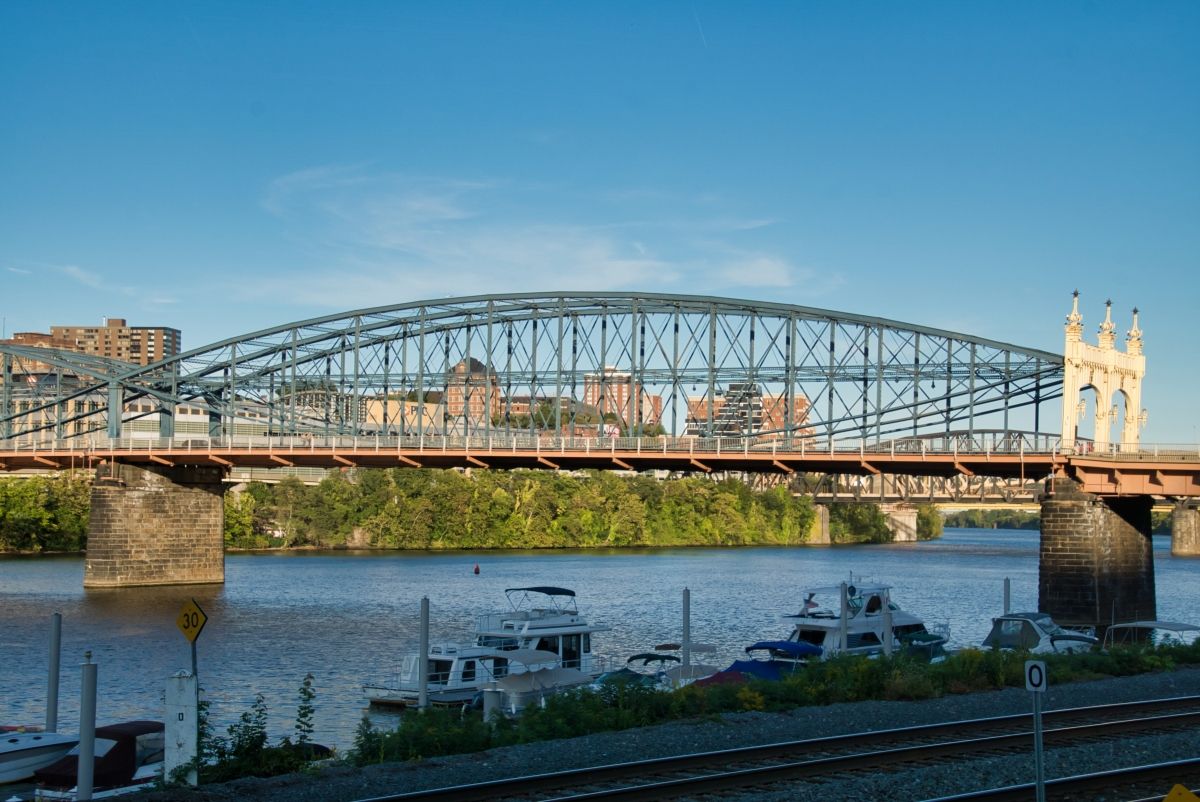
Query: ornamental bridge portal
[610, 381]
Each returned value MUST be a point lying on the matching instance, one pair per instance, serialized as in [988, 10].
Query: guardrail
[550, 444]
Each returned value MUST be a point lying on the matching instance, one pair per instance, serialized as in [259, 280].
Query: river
[348, 616]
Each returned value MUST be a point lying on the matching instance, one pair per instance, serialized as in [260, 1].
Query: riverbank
[337, 782]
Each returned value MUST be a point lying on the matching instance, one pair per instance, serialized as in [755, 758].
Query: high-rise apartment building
[141, 345]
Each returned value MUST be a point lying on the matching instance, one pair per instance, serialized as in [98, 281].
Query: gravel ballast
[341, 783]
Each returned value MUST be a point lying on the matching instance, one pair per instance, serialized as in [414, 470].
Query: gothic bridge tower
[1108, 372]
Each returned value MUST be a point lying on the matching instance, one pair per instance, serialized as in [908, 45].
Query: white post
[1007, 595]
[87, 730]
[182, 741]
[844, 628]
[52, 679]
[423, 666]
[888, 632]
[687, 627]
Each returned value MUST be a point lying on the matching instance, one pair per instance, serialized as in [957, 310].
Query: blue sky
[224, 167]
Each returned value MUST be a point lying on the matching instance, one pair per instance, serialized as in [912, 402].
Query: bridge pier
[1096, 562]
[902, 522]
[818, 533]
[1185, 529]
[155, 526]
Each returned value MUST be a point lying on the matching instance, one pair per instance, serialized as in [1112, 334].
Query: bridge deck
[1115, 474]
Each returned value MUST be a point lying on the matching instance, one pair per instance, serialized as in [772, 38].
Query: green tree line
[45, 513]
[446, 509]
[1160, 520]
[993, 519]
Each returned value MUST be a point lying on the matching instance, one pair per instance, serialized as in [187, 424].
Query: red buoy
[477, 568]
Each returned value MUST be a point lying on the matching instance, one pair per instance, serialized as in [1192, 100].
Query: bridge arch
[596, 364]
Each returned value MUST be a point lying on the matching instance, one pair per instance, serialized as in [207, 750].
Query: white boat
[857, 625]
[1158, 633]
[23, 753]
[541, 630]
[1036, 633]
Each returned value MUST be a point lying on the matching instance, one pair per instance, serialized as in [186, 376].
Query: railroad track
[820, 759]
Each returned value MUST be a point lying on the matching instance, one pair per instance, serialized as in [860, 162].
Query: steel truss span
[567, 365]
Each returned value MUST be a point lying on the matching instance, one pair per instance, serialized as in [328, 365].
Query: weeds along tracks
[822, 759]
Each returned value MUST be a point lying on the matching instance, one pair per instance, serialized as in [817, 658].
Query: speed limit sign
[1035, 676]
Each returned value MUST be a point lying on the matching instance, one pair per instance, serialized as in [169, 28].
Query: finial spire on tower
[1108, 331]
[1133, 338]
[1075, 320]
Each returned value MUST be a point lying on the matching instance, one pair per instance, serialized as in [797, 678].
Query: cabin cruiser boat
[1036, 633]
[128, 757]
[542, 631]
[22, 753]
[1158, 633]
[856, 626]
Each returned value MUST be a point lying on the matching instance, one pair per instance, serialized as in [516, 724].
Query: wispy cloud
[389, 237]
[84, 277]
[19, 271]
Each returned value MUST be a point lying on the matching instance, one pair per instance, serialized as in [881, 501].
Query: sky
[224, 167]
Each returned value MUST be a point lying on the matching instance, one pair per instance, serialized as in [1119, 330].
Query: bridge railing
[548, 444]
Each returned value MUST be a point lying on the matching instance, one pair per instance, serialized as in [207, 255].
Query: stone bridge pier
[155, 526]
[1185, 529]
[1096, 562]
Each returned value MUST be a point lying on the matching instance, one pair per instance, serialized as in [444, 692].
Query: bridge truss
[567, 365]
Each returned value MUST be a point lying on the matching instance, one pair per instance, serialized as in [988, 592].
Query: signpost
[183, 698]
[1035, 683]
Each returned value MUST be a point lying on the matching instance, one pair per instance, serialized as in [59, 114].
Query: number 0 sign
[1035, 676]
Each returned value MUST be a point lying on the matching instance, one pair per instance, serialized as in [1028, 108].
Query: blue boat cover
[789, 647]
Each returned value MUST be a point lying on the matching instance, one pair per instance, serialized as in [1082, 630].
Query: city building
[614, 392]
[472, 394]
[140, 345]
[743, 409]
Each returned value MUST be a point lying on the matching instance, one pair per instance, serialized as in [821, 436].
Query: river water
[347, 617]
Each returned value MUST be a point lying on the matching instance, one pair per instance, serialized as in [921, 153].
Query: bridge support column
[818, 534]
[902, 522]
[155, 526]
[1096, 562]
[1185, 529]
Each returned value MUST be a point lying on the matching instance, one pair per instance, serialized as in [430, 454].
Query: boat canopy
[546, 589]
[646, 658]
[790, 648]
[1126, 630]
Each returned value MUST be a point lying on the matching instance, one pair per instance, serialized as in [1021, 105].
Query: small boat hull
[23, 753]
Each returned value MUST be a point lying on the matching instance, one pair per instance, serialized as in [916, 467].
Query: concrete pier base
[1096, 563]
[902, 522]
[1185, 529]
[155, 526]
[818, 535]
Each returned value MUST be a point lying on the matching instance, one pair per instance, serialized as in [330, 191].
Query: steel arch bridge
[571, 365]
